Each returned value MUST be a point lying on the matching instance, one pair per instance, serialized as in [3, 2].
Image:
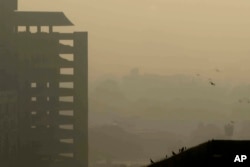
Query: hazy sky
[161, 36]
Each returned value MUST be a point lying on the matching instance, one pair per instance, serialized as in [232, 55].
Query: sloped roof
[203, 152]
[26, 18]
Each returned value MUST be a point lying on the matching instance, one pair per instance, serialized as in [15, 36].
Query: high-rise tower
[49, 74]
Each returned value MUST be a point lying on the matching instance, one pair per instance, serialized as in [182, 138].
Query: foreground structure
[215, 153]
[43, 90]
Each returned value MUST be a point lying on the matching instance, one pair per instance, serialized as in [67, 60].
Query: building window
[33, 85]
[66, 112]
[67, 71]
[21, 29]
[33, 98]
[66, 85]
[66, 98]
[33, 113]
[45, 29]
[33, 29]
[69, 127]
[69, 57]
[67, 42]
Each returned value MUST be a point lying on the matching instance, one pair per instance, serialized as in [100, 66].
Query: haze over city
[161, 36]
[162, 73]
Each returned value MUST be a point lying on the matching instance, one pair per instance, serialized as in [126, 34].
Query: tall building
[43, 94]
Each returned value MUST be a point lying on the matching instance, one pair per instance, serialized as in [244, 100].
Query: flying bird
[212, 83]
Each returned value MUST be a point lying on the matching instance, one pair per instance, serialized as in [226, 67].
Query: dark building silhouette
[43, 90]
[214, 153]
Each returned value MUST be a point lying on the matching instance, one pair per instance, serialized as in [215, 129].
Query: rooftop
[30, 18]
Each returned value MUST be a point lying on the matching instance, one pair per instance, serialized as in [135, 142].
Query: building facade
[50, 72]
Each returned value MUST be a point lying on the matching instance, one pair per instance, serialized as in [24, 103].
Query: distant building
[43, 90]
